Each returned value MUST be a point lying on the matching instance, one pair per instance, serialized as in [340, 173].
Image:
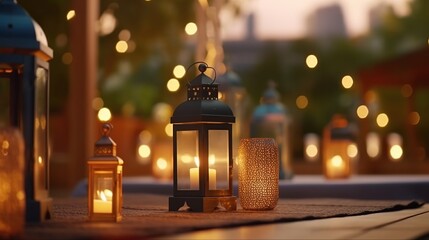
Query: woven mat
[146, 216]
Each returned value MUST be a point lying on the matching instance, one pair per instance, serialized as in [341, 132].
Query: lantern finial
[105, 145]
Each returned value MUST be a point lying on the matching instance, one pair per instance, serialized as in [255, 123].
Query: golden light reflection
[179, 71]
[186, 158]
[71, 14]
[144, 151]
[347, 81]
[301, 102]
[169, 130]
[372, 144]
[161, 163]
[396, 152]
[382, 120]
[104, 115]
[191, 28]
[362, 111]
[121, 46]
[394, 142]
[311, 61]
[352, 150]
[173, 85]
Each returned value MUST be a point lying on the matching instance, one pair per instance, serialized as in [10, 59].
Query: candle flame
[212, 159]
[337, 161]
[105, 195]
[197, 161]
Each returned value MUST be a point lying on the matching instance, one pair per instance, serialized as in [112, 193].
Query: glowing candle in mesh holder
[258, 173]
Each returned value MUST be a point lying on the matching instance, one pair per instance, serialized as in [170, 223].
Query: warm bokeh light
[71, 14]
[173, 85]
[179, 71]
[352, 150]
[382, 120]
[396, 152]
[161, 163]
[144, 151]
[162, 112]
[394, 143]
[191, 28]
[169, 130]
[362, 111]
[347, 81]
[67, 58]
[301, 102]
[104, 115]
[311, 146]
[121, 46]
[124, 35]
[97, 103]
[145, 136]
[372, 144]
[311, 61]
[414, 118]
[107, 23]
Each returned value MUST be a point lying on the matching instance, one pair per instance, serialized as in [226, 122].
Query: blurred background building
[129, 59]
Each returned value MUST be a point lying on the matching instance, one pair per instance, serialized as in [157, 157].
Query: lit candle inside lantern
[195, 174]
[104, 203]
[336, 166]
[212, 173]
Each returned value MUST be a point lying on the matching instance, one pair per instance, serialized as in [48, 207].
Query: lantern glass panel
[338, 162]
[6, 74]
[103, 191]
[187, 160]
[40, 129]
[218, 158]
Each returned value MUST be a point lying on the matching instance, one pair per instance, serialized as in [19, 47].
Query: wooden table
[404, 224]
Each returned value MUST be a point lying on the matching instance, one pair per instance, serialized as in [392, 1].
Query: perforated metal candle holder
[258, 173]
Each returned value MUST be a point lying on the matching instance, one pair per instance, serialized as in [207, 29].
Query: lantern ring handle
[202, 68]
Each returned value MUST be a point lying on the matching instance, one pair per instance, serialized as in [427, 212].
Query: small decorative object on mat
[337, 137]
[12, 193]
[105, 180]
[258, 173]
[24, 77]
[202, 149]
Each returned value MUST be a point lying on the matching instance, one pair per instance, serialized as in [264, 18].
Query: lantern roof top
[18, 30]
[202, 103]
[105, 147]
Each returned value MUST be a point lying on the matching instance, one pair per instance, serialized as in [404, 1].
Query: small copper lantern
[24, 99]
[202, 149]
[337, 137]
[105, 180]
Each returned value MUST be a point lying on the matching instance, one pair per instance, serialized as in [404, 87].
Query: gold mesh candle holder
[258, 173]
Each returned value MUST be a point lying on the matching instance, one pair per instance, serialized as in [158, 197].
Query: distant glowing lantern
[105, 180]
[373, 145]
[337, 138]
[24, 98]
[202, 149]
[12, 194]
[311, 147]
[270, 120]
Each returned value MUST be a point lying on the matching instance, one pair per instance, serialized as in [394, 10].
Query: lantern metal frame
[24, 56]
[105, 163]
[202, 112]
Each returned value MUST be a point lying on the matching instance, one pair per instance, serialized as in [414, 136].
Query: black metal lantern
[202, 149]
[24, 98]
